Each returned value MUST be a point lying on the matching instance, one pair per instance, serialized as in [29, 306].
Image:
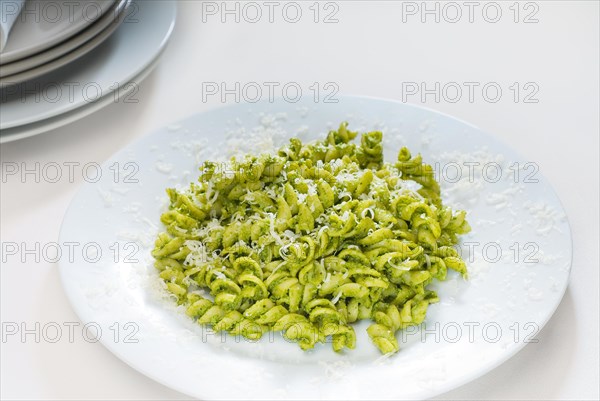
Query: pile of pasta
[309, 240]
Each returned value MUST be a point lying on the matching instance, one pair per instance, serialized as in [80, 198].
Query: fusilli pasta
[310, 240]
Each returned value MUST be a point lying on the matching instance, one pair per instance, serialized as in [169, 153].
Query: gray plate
[118, 60]
[69, 57]
[71, 44]
[43, 24]
[13, 134]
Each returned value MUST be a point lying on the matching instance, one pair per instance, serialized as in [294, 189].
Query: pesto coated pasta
[309, 240]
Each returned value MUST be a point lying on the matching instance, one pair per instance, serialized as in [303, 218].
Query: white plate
[69, 58]
[121, 212]
[43, 24]
[123, 56]
[63, 48]
[126, 89]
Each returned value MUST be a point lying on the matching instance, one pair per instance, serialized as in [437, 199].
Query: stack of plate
[64, 62]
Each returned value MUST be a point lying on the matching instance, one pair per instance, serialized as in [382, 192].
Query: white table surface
[370, 51]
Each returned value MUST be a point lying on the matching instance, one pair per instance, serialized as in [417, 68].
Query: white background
[370, 51]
